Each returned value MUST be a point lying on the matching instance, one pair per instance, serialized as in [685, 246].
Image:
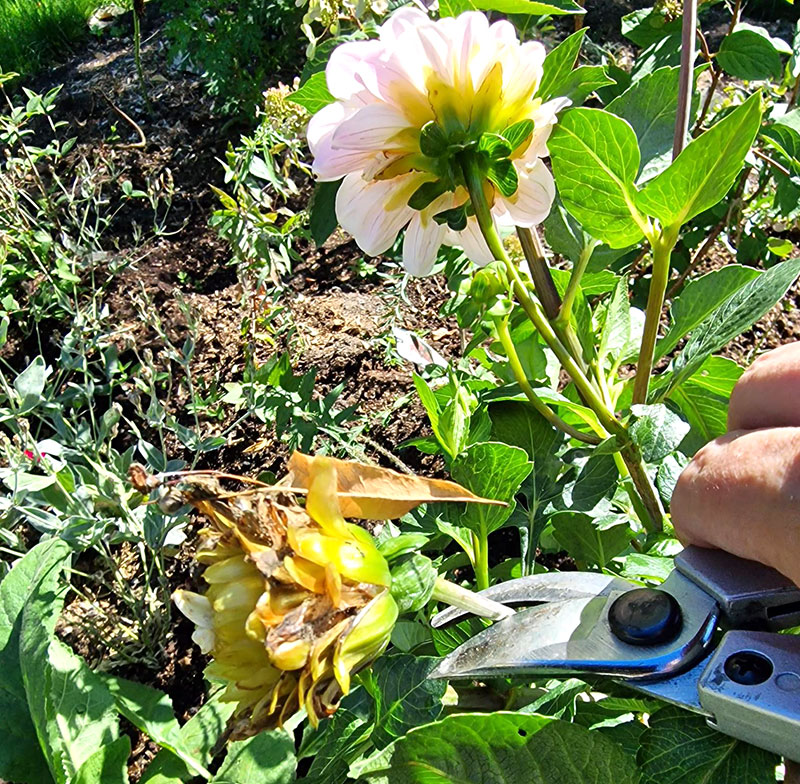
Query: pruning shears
[704, 640]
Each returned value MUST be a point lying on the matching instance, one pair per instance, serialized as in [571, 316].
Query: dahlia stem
[519, 374]
[456, 596]
[662, 250]
[653, 515]
[565, 312]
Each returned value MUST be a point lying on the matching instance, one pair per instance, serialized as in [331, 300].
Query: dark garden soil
[336, 308]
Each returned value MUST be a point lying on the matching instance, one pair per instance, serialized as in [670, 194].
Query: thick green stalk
[662, 249]
[456, 596]
[540, 272]
[519, 374]
[653, 520]
[480, 545]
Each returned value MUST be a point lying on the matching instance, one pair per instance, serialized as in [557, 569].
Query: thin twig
[772, 162]
[143, 140]
[715, 72]
[686, 76]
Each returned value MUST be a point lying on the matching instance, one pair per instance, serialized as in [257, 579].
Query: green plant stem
[662, 249]
[653, 520]
[546, 291]
[565, 312]
[480, 546]
[519, 374]
[137, 56]
[456, 596]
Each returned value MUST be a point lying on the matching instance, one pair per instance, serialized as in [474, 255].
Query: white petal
[422, 240]
[195, 607]
[351, 68]
[205, 639]
[361, 208]
[544, 118]
[370, 129]
[472, 242]
[330, 163]
[522, 71]
[531, 202]
[402, 21]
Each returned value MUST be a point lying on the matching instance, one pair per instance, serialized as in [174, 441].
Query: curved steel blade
[546, 587]
[574, 636]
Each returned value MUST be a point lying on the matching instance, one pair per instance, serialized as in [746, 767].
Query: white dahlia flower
[411, 107]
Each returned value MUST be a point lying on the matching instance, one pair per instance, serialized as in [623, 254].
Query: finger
[768, 392]
[741, 493]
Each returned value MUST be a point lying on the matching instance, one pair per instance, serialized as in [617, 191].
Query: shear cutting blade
[574, 636]
[548, 587]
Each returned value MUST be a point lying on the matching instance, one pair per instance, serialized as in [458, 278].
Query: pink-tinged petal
[372, 128]
[471, 241]
[523, 71]
[402, 21]
[333, 163]
[544, 118]
[361, 208]
[421, 242]
[472, 33]
[351, 68]
[531, 202]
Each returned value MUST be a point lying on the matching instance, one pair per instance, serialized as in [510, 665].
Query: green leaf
[736, 314]
[580, 83]
[198, 737]
[266, 758]
[30, 384]
[499, 748]
[597, 480]
[648, 26]
[495, 146]
[669, 472]
[650, 105]
[413, 578]
[151, 711]
[491, 470]
[657, 431]
[699, 298]
[322, 220]
[595, 159]
[703, 399]
[21, 756]
[340, 740]
[616, 332]
[108, 765]
[705, 170]
[680, 748]
[313, 94]
[73, 711]
[527, 7]
[660, 54]
[749, 53]
[589, 540]
[404, 695]
[558, 64]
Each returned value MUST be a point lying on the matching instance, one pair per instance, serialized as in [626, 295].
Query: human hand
[741, 492]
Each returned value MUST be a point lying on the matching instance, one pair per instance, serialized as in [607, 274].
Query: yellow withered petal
[291, 655]
[235, 568]
[322, 503]
[365, 640]
[352, 559]
[305, 573]
[195, 607]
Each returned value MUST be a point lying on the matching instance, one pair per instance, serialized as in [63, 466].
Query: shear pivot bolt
[645, 616]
